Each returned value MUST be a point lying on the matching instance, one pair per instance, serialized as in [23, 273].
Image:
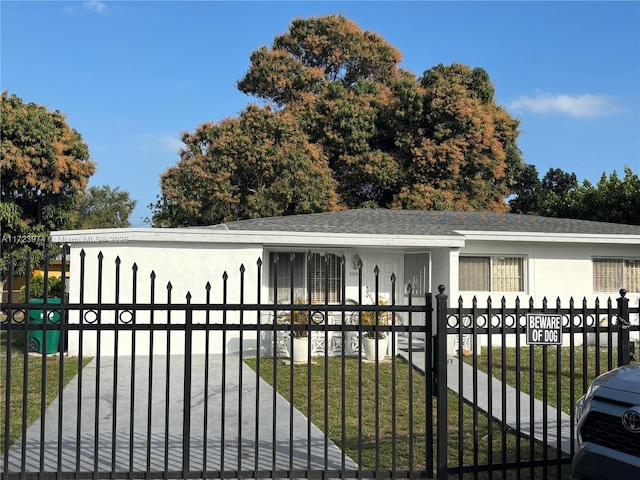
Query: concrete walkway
[505, 412]
[93, 439]
[107, 442]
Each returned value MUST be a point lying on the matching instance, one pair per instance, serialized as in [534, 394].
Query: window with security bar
[613, 274]
[491, 274]
[306, 275]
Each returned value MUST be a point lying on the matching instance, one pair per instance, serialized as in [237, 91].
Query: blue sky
[131, 76]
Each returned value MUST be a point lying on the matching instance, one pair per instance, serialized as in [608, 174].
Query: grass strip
[395, 433]
[33, 384]
[567, 379]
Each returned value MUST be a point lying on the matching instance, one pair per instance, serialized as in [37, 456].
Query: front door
[417, 275]
[386, 268]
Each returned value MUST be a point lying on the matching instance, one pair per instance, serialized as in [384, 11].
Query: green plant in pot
[37, 341]
[295, 317]
[371, 318]
[374, 342]
[299, 346]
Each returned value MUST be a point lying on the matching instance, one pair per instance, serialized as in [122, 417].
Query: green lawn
[377, 413]
[559, 377]
[26, 397]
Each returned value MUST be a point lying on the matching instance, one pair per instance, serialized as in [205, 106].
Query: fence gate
[514, 378]
[140, 384]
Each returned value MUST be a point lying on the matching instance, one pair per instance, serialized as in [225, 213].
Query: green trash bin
[36, 317]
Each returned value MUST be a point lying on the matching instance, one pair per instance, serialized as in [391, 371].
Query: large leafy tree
[257, 165]
[465, 156]
[549, 196]
[559, 194]
[316, 52]
[346, 76]
[390, 139]
[103, 207]
[44, 165]
[612, 199]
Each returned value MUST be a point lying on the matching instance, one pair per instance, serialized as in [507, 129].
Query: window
[306, 274]
[613, 274]
[491, 274]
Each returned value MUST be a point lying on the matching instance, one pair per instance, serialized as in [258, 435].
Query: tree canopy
[547, 197]
[343, 126]
[258, 165]
[103, 207]
[559, 194]
[44, 165]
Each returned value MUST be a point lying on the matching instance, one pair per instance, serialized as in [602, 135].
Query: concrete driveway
[103, 430]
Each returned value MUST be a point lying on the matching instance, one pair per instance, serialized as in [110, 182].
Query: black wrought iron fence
[172, 388]
[517, 372]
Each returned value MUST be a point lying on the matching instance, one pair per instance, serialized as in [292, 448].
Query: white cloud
[171, 143]
[95, 6]
[165, 143]
[587, 105]
[92, 6]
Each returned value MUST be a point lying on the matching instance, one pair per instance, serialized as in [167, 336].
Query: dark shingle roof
[417, 222]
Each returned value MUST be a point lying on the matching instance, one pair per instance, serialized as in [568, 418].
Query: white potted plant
[374, 340]
[299, 345]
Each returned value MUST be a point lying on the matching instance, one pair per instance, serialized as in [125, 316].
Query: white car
[608, 418]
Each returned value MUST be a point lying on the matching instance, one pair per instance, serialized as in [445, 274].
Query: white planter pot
[300, 347]
[369, 345]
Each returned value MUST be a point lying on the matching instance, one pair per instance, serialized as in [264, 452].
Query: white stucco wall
[553, 269]
[188, 267]
[445, 271]
[556, 267]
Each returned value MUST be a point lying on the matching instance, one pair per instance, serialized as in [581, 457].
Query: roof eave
[547, 237]
[266, 238]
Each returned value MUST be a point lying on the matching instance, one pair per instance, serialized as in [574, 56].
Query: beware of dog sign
[544, 329]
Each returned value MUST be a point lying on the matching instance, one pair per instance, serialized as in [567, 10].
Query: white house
[477, 254]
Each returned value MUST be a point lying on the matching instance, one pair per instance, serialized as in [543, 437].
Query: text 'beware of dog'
[544, 329]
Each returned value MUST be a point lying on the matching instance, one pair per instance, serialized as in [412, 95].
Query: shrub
[36, 288]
